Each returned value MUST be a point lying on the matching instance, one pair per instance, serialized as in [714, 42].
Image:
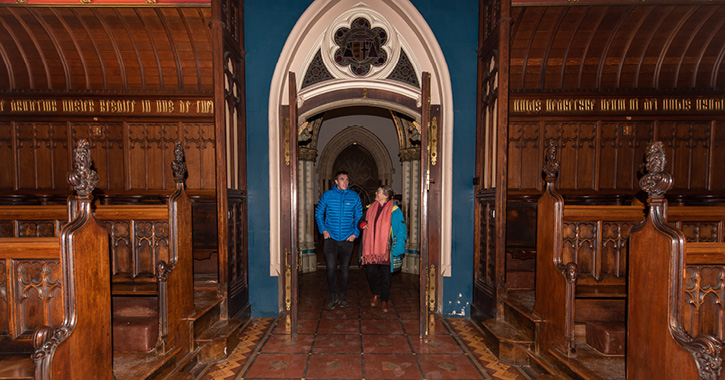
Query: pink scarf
[376, 239]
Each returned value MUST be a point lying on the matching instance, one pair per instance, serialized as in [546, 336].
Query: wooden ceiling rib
[602, 47]
[101, 49]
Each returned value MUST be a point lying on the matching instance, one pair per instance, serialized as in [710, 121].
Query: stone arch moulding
[366, 139]
[411, 33]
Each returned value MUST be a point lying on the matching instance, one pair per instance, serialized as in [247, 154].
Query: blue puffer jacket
[338, 213]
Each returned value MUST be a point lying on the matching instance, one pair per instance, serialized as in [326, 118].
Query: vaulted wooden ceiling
[618, 47]
[69, 49]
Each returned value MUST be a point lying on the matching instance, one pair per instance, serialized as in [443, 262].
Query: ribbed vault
[67, 49]
[618, 47]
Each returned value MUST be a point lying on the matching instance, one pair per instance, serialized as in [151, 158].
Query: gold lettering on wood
[117, 106]
[165, 106]
[33, 105]
[78, 105]
[707, 104]
[184, 106]
[204, 106]
[146, 106]
[674, 104]
[527, 105]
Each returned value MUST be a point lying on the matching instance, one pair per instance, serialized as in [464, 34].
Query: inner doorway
[364, 142]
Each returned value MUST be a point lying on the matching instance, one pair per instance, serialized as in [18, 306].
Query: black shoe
[330, 304]
[343, 304]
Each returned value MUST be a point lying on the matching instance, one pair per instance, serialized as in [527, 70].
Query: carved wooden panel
[37, 295]
[700, 232]
[598, 248]
[4, 308]
[577, 152]
[704, 297]
[126, 156]
[42, 155]
[524, 154]
[608, 155]
[238, 273]
[486, 249]
[622, 148]
[136, 246]
[687, 146]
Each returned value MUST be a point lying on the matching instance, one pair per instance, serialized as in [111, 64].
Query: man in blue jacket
[337, 215]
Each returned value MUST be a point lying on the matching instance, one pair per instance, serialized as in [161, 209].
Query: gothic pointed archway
[405, 49]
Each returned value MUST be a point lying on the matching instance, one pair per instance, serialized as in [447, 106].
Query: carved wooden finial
[551, 162]
[657, 181]
[179, 164]
[83, 179]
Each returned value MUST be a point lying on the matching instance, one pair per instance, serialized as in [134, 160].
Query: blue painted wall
[267, 25]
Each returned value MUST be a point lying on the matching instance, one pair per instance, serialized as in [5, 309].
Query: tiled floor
[360, 342]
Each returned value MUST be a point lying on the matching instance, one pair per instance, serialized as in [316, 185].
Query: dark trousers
[379, 279]
[337, 251]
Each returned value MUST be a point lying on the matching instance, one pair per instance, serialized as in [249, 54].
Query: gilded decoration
[360, 46]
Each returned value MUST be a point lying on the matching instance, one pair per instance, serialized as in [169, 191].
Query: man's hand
[325, 234]
[351, 238]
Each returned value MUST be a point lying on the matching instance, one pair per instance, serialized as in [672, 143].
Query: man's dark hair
[341, 172]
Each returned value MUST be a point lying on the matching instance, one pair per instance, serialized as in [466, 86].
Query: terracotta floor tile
[276, 366]
[286, 344]
[351, 312]
[337, 344]
[331, 326]
[396, 366]
[377, 313]
[436, 344]
[380, 326]
[385, 344]
[307, 326]
[448, 367]
[335, 366]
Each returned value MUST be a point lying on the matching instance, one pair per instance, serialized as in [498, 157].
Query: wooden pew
[55, 316]
[658, 346]
[582, 266]
[151, 263]
[152, 259]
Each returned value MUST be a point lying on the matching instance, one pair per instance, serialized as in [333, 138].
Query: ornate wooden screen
[491, 146]
[231, 153]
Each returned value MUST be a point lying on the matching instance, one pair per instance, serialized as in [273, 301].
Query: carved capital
[551, 162]
[307, 154]
[179, 163]
[657, 181]
[83, 179]
[410, 154]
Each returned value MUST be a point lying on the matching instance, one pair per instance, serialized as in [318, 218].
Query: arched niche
[354, 134]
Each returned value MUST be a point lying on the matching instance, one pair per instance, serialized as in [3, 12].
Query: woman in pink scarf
[383, 244]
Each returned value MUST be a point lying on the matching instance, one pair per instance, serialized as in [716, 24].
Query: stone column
[306, 209]
[410, 159]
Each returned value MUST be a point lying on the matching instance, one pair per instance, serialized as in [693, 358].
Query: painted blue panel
[459, 44]
[267, 25]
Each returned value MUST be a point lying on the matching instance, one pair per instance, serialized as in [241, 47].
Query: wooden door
[288, 201]
[430, 210]
[231, 155]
